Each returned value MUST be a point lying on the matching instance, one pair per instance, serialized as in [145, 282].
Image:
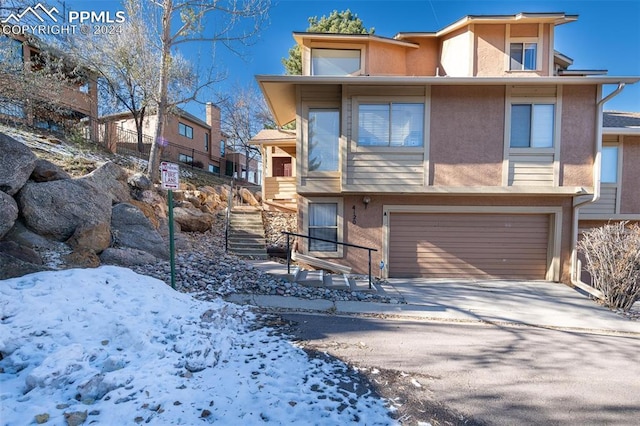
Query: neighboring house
[278, 152]
[461, 153]
[189, 140]
[62, 106]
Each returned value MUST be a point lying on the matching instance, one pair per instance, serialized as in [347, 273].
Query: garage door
[464, 245]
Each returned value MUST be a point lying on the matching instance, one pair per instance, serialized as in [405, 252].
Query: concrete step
[320, 263]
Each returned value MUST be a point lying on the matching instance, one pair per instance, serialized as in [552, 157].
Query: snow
[123, 348]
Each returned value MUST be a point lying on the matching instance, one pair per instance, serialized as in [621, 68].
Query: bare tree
[232, 23]
[125, 64]
[244, 114]
[33, 75]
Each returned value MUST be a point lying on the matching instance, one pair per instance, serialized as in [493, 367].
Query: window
[214, 169]
[186, 131]
[323, 223]
[324, 138]
[523, 56]
[11, 52]
[532, 125]
[185, 158]
[391, 124]
[222, 148]
[11, 108]
[206, 142]
[609, 164]
[334, 61]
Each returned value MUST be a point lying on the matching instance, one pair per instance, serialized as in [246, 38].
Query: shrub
[612, 254]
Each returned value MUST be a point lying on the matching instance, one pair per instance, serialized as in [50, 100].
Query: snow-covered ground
[113, 347]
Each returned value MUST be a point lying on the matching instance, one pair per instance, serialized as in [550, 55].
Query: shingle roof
[621, 119]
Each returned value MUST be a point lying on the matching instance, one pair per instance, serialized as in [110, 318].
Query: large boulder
[12, 267]
[8, 213]
[91, 236]
[192, 220]
[111, 179]
[16, 166]
[55, 209]
[131, 228]
[46, 171]
[23, 253]
[247, 197]
[126, 257]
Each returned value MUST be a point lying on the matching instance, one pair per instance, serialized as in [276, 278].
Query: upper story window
[335, 61]
[206, 142]
[324, 140]
[523, 56]
[532, 125]
[222, 148]
[391, 124]
[609, 164]
[186, 131]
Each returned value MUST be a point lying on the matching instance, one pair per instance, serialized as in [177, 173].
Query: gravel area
[205, 269]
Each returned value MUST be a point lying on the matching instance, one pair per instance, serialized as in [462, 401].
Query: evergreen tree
[343, 22]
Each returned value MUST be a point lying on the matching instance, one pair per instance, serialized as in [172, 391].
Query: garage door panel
[468, 245]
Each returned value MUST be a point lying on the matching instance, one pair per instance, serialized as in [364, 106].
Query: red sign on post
[169, 175]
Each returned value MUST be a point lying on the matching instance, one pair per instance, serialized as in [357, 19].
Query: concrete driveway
[534, 303]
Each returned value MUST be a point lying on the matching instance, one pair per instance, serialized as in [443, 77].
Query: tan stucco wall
[368, 231]
[524, 30]
[490, 56]
[385, 59]
[467, 132]
[578, 135]
[423, 61]
[630, 201]
[455, 52]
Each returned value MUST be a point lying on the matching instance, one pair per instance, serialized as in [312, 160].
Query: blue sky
[606, 35]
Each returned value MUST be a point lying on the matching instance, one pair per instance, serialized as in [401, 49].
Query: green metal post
[171, 243]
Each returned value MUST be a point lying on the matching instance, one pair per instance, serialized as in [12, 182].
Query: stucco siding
[466, 147]
[456, 55]
[577, 135]
[630, 195]
[423, 61]
[385, 59]
[489, 57]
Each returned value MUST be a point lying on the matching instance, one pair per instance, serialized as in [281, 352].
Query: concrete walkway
[532, 303]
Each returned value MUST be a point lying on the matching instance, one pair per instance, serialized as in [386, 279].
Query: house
[469, 152]
[189, 140]
[50, 104]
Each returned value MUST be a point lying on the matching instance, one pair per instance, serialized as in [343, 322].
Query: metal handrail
[289, 234]
[228, 217]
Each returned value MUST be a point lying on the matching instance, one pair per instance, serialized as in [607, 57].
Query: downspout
[597, 172]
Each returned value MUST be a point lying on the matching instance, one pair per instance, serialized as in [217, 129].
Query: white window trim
[305, 139]
[340, 223]
[355, 111]
[539, 48]
[306, 55]
[557, 142]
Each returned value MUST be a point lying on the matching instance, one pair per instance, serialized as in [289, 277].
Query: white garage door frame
[555, 225]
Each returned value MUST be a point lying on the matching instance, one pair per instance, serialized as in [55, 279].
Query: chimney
[213, 117]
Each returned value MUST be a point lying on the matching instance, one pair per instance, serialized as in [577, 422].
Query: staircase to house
[246, 233]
